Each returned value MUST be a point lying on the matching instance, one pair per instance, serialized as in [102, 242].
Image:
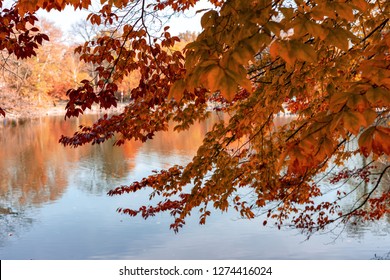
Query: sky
[69, 16]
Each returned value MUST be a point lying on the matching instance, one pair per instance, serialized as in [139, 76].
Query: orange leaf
[381, 142]
[353, 120]
[177, 89]
[365, 141]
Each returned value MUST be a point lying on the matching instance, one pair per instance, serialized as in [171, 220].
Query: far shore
[31, 112]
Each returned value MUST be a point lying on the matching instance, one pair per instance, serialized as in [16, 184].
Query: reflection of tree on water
[382, 257]
[31, 169]
[102, 168]
[12, 223]
[35, 169]
[34, 163]
[106, 165]
[361, 189]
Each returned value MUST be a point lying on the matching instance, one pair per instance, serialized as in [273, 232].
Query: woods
[326, 62]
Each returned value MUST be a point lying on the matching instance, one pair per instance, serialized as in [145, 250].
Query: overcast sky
[69, 16]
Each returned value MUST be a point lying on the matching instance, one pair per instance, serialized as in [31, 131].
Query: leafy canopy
[325, 61]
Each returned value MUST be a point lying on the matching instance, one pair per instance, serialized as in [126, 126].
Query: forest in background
[28, 87]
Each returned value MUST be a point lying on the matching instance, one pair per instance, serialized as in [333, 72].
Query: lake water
[53, 205]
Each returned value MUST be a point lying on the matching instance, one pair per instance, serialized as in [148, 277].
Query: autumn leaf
[378, 96]
[177, 89]
[282, 49]
[208, 18]
[361, 5]
[338, 100]
[376, 139]
[338, 37]
[381, 140]
[303, 52]
[344, 10]
[324, 62]
[365, 141]
[357, 102]
[302, 26]
[353, 120]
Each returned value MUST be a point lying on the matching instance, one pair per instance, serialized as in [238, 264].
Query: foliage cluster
[325, 61]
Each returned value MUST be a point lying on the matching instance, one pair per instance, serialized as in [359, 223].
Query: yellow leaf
[307, 145]
[288, 13]
[25, 6]
[302, 26]
[258, 42]
[228, 86]
[335, 122]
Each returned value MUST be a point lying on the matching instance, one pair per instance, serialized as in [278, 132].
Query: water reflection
[35, 167]
[358, 228]
[35, 170]
[53, 204]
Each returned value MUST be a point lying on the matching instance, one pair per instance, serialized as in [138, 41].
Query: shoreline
[33, 112]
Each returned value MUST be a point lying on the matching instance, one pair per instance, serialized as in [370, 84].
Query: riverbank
[31, 111]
